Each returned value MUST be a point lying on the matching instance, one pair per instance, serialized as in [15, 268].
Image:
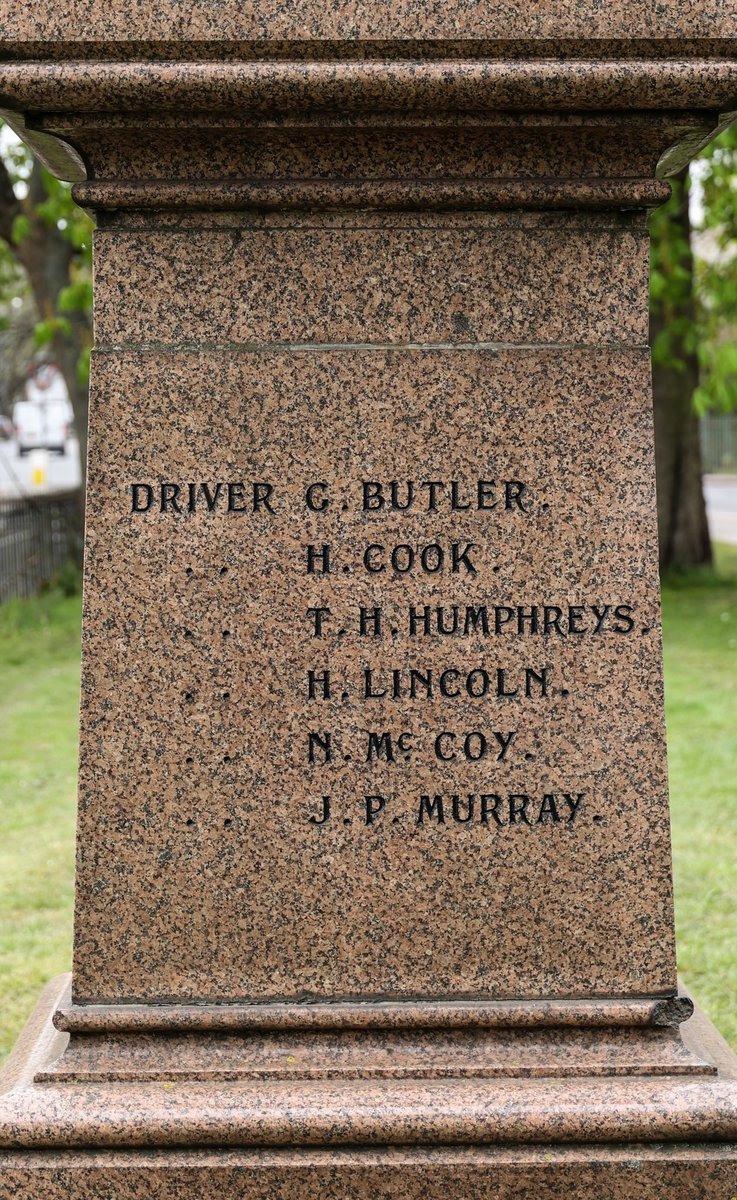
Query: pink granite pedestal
[373, 876]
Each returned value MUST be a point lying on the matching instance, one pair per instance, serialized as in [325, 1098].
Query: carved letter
[415, 618]
[426, 680]
[518, 812]
[395, 495]
[533, 677]
[485, 493]
[431, 808]
[314, 556]
[378, 744]
[451, 673]
[325, 813]
[434, 488]
[373, 499]
[211, 499]
[408, 555]
[476, 617]
[374, 805]
[481, 747]
[149, 493]
[313, 679]
[261, 494]
[432, 559]
[372, 567]
[513, 491]
[439, 747]
[369, 693]
[487, 807]
[316, 504]
[322, 744]
[551, 619]
[548, 808]
[505, 743]
[372, 618]
[501, 684]
[622, 612]
[455, 503]
[461, 556]
[573, 803]
[169, 497]
[235, 493]
[529, 616]
[440, 614]
[319, 614]
[600, 614]
[456, 810]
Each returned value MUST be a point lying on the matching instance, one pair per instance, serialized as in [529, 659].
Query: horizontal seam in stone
[262, 347]
[531, 231]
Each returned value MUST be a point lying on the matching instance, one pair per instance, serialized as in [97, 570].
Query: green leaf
[83, 367]
[45, 331]
[76, 297]
[20, 230]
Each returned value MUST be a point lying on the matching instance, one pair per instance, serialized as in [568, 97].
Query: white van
[43, 421]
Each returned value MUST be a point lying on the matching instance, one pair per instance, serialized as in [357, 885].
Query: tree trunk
[682, 527]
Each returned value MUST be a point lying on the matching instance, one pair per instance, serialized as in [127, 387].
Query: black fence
[36, 538]
[719, 443]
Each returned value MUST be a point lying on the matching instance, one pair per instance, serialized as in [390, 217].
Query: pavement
[720, 492]
[62, 471]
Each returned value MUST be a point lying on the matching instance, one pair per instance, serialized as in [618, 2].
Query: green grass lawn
[700, 647]
[39, 699]
[39, 692]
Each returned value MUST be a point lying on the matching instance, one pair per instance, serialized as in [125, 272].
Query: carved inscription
[474, 703]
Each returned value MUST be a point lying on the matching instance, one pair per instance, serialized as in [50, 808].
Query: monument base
[630, 1172]
[600, 1098]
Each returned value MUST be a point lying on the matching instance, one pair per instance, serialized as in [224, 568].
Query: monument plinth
[373, 877]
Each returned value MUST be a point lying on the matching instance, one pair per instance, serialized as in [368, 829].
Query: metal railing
[35, 540]
[719, 443]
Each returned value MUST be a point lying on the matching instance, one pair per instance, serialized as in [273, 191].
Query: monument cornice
[72, 112]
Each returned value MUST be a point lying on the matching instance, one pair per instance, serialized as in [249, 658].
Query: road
[721, 507]
[62, 474]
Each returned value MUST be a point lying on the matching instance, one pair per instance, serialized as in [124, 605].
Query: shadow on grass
[722, 573]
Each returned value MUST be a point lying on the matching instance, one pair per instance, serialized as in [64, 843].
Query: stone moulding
[576, 1072]
[72, 111]
[666, 109]
[287, 87]
[357, 1086]
[362, 1112]
[495, 1014]
[387, 194]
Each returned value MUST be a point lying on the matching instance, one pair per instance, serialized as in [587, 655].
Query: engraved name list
[428, 693]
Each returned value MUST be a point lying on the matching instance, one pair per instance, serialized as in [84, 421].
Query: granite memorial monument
[373, 878]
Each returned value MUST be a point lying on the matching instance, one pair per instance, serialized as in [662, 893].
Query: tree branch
[9, 204]
[36, 187]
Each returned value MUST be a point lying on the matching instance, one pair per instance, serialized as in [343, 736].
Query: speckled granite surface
[553, 1172]
[164, 23]
[440, 278]
[374, 887]
[479, 82]
[581, 711]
